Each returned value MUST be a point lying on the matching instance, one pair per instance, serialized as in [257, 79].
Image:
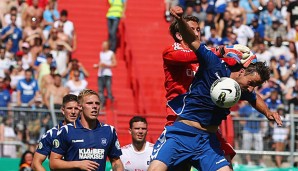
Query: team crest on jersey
[104, 141]
[40, 145]
[117, 144]
[56, 143]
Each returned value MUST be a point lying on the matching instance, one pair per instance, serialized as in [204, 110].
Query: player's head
[253, 76]
[193, 23]
[90, 104]
[138, 129]
[70, 108]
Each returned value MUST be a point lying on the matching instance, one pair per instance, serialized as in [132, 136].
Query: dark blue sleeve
[4, 31]
[248, 96]
[45, 144]
[206, 57]
[115, 150]
[61, 142]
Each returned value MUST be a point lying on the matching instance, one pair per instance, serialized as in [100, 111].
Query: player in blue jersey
[86, 144]
[192, 137]
[70, 110]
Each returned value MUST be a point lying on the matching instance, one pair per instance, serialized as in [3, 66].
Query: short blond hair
[86, 92]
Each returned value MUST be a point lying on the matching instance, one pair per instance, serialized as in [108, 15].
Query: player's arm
[186, 32]
[38, 159]
[260, 105]
[117, 164]
[57, 163]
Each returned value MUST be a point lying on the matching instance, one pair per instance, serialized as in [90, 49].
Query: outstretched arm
[186, 32]
[261, 106]
[117, 164]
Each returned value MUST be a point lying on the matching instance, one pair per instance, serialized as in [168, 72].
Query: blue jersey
[46, 142]
[76, 143]
[196, 105]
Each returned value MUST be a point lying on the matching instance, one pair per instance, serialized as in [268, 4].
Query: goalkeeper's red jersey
[180, 65]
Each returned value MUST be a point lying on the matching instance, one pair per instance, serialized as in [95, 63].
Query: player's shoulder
[108, 127]
[126, 147]
[49, 133]
[151, 144]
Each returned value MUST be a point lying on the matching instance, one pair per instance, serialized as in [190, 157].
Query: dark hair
[13, 8]
[261, 68]
[57, 75]
[29, 70]
[64, 12]
[137, 119]
[69, 98]
[23, 156]
[174, 26]
[49, 55]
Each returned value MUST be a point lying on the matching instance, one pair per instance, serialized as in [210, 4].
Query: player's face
[90, 107]
[71, 111]
[195, 27]
[249, 82]
[138, 131]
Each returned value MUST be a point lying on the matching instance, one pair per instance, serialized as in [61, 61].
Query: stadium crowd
[37, 41]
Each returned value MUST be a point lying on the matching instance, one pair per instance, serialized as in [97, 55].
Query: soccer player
[192, 137]
[180, 64]
[86, 144]
[70, 110]
[136, 156]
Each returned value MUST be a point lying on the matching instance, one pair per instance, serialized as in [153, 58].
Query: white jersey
[136, 161]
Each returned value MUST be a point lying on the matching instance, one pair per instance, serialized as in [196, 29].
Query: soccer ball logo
[225, 92]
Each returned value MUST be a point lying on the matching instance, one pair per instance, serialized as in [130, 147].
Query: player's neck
[88, 124]
[139, 146]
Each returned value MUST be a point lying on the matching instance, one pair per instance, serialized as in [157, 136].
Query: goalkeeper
[192, 138]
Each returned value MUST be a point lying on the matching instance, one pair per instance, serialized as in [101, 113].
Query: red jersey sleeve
[177, 55]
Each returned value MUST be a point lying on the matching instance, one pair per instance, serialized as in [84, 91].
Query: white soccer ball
[225, 92]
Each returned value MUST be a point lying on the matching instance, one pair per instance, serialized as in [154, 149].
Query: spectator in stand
[42, 57]
[242, 31]
[263, 54]
[76, 65]
[198, 12]
[168, 5]
[44, 68]
[293, 33]
[293, 50]
[7, 17]
[57, 91]
[252, 135]
[27, 89]
[115, 12]
[136, 156]
[206, 7]
[8, 50]
[214, 38]
[274, 31]
[281, 134]
[251, 8]
[278, 49]
[107, 60]
[284, 69]
[257, 27]
[47, 80]
[224, 23]
[54, 37]
[13, 33]
[236, 11]
[270, 13]
[76, 84]
[26, 160]
[7, 134]
[5, 63]
[61, 56]
[32, 31]
[207, 25]
[32, 11]
[4, 97]
[292, 15]
[17, 73]
[292, 95]
[27, 58]
[230, 39]
[50, 15]
[68, 28]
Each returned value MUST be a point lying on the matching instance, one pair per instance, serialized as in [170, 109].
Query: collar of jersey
[79, 125]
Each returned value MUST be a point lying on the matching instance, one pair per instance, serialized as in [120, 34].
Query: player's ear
[129, 131]
[242, 71]
[178, 36]
[62, 110]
